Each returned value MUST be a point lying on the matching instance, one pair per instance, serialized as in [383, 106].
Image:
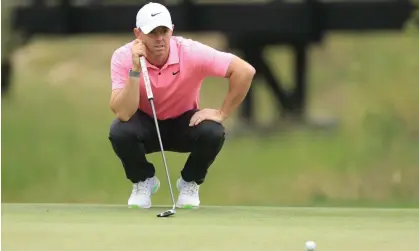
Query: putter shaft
[162, 152]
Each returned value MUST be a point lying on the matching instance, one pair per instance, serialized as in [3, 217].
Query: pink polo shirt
[177, 84]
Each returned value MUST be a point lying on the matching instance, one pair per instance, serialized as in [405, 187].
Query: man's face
[157, 41]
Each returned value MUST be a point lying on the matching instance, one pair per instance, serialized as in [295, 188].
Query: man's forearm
[238, 88]
[125, 104]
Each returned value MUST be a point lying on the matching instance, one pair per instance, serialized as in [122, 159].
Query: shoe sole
[154, 190]
[137, 207]
[187, 206]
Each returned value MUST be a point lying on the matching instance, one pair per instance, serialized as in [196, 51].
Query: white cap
[153, 15]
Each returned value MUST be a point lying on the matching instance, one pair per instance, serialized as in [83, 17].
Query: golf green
[62, 227]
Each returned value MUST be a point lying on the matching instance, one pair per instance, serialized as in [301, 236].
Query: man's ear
[137, 32]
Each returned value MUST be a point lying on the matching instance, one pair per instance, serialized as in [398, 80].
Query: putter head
[167, 213]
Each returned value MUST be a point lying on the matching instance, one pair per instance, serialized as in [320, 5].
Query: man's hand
[207, 114]
[138, 50]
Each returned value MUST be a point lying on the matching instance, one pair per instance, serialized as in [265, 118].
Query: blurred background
[342, 128]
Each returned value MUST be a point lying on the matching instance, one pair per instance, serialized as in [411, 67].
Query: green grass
[55, 126]
[101, 227]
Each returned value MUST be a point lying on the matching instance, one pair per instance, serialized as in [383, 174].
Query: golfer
[177, 67]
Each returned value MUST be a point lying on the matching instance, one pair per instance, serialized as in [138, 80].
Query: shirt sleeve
[119, 70]
[209, 61]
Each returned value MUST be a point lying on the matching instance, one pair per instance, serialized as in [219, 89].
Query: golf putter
[150, 97]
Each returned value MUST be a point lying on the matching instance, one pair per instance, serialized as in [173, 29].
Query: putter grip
[146, 78]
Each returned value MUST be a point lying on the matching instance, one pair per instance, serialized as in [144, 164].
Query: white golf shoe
[188, 195]
[142, 191]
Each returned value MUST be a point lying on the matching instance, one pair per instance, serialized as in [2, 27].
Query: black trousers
[133, 139]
